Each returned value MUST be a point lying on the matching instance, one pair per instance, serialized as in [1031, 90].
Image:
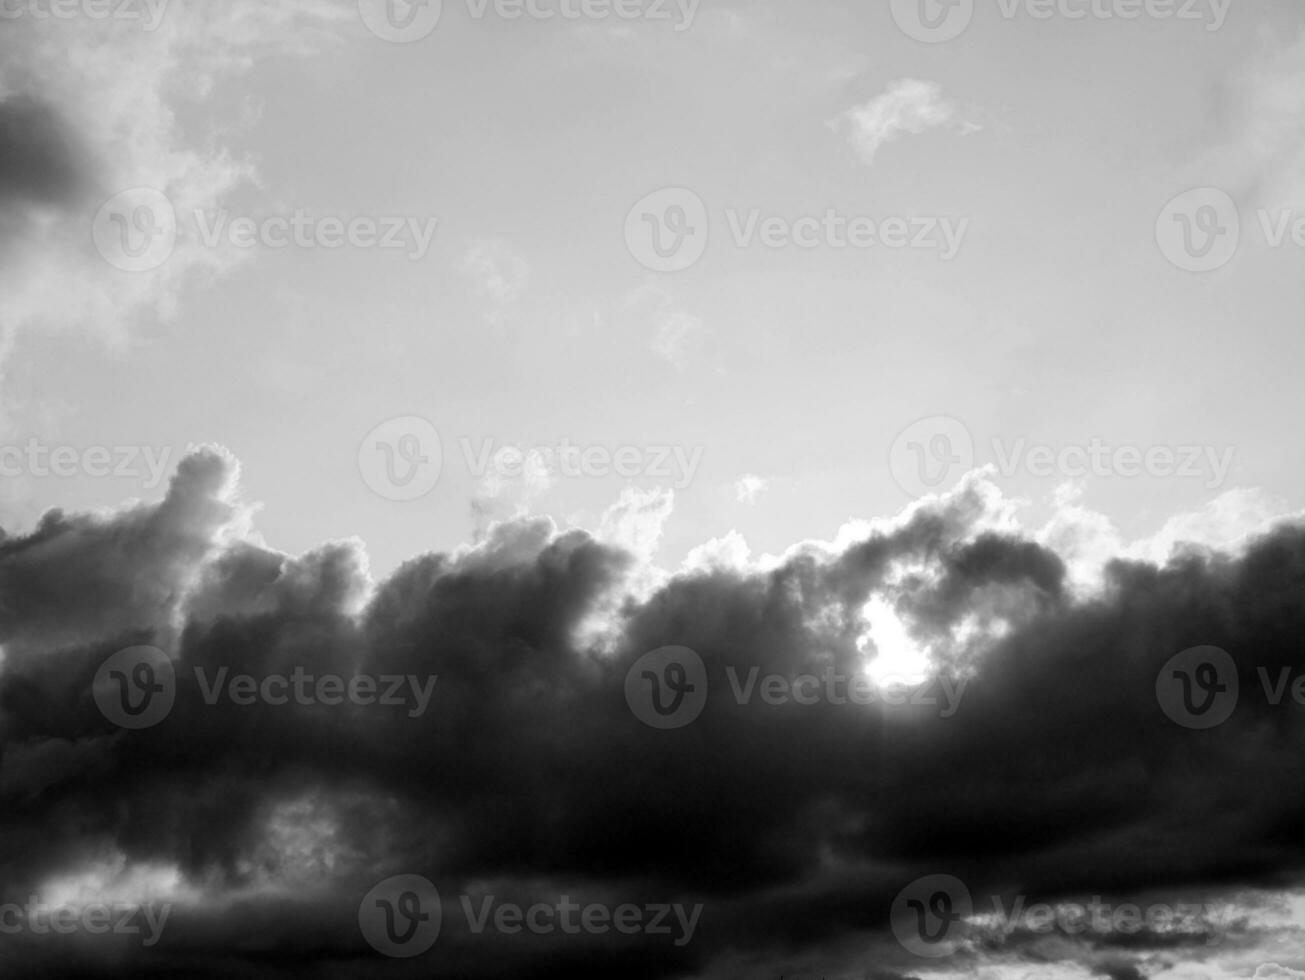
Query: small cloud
[750, 488]
[909, 106]
[675, 331]
[498, 275]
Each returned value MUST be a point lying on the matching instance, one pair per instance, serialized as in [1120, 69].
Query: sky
[952, 345]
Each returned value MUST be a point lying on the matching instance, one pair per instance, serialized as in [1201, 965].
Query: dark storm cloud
[39, 161]
[794, 826]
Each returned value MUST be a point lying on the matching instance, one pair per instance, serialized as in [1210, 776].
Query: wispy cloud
[908, 106]
[674, 330]
[498, 275]
[1259, 152]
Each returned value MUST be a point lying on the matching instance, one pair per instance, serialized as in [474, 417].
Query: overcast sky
[500, 345]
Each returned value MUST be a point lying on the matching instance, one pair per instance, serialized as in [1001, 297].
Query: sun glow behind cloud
[893, 655]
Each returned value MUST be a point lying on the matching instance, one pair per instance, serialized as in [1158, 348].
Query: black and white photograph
[652, 489]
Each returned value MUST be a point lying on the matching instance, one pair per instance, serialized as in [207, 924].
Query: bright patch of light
[730, 553]
[893, 657]
[115, 882]
[980, 630]
[303, 846]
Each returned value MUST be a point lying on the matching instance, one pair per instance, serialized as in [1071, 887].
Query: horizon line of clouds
[530, 630]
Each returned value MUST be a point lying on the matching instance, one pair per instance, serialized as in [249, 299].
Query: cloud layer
[528, 777]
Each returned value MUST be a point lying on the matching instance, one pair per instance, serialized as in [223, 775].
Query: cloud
[675, 331]
[39, 161]
[908, 106]
[498, 275]
[635, 523]
[93, 107]
[1258, 153]
[529, 776]
[750, 488]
